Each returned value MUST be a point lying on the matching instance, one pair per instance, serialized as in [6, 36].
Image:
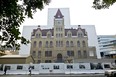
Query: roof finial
[39, 26]
[79, 26]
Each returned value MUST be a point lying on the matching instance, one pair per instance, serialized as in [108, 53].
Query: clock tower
[58, 25]
[59, 34]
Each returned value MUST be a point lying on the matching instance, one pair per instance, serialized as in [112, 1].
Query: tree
[102, 4]
[12, 15]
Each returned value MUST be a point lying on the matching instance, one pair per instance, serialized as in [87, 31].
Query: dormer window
[80, 35]
[69, 34]
[49, 35]
[38, 35]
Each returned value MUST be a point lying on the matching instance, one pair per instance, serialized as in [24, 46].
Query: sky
[81, 13]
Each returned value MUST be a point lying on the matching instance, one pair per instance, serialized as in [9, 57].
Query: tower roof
[58, 14]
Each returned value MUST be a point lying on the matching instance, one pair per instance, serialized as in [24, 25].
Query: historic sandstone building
[60, 44]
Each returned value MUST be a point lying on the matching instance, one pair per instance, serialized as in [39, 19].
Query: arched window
[78, 43]
[34, 44]
[39, 54]
[37, 36]
[61, 35]
[83, 43]
[57, 35]
[40, 44]
[67, 43]
[56, 43]
[71, 43]
[51, 44]
[61, 43]
[79, 35]
[85, 54]
[79, 54]
[33, 53]
[46, 43]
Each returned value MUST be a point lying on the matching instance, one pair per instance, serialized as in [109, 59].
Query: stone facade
[60, 44]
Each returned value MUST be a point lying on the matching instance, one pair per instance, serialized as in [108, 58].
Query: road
[54, 75]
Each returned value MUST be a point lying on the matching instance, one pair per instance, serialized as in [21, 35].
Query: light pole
[69, 61]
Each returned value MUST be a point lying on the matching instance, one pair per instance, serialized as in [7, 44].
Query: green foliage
[102, 4]
[12, 15]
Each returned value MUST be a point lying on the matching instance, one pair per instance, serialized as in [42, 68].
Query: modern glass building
[107, 46]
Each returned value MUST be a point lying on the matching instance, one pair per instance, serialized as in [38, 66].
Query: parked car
[110, 73]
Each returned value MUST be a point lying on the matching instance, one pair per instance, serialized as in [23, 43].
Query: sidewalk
[18, 72]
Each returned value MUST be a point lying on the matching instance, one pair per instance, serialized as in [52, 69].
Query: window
[67, 43]
[39, 54]
[83, 43]
[33, 53]
[61, 43]
[48, 53]
[46, 43]
[19, 67]
[78, 43]
[34, 44]
[56, 43]
[56, 35]
[85, 54]
[70, 53]
[69, 34]
[48, 61]
[79, 35]
[61, 29]
[56, 29]
[91, 53]
[79, 54]
[37, 36]
[71, 43]
[61, 35]
[69, 66]
[51, 44]
[102, 54]
[56, 66]
[49, 36]
[40, 44]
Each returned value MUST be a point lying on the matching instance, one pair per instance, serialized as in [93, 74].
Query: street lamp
[69, 61]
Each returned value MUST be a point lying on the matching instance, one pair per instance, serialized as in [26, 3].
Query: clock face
[59, 22]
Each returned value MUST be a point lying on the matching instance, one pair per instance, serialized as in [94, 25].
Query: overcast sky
[81, 13]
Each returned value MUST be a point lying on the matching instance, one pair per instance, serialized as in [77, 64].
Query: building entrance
[59, 58]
